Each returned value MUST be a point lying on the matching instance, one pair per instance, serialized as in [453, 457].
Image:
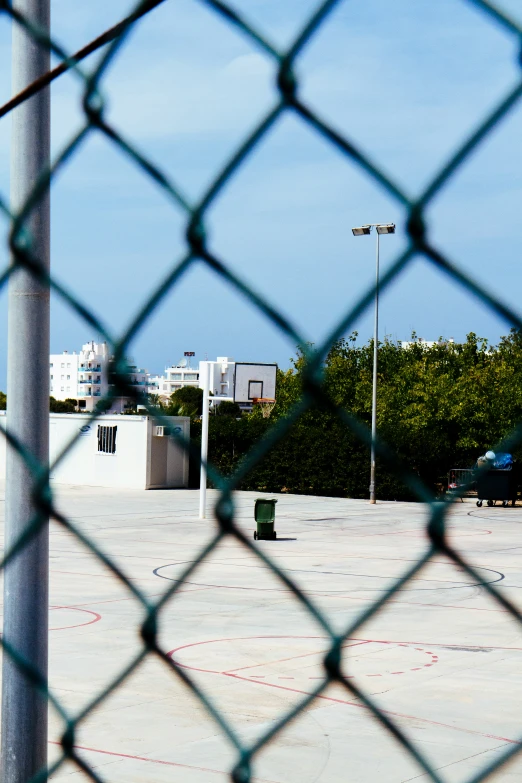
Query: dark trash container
[495, 484]
[264, 514]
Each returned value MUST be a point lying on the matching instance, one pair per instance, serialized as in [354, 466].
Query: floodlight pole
[374, 384]
[204, 442]
[24, 707]
[384, 228]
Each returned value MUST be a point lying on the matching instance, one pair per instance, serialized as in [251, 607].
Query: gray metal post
[24, 710]
[204, 442]
[374, 389]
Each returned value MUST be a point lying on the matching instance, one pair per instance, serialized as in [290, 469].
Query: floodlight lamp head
[361, 231]
[386, 228]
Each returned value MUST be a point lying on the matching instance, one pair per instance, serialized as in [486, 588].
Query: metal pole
[204, 443]
[24, 709]
[374, 390]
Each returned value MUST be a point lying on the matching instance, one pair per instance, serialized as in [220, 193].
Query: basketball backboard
[252, 381]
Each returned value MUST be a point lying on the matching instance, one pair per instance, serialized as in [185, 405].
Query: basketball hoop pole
[204, 442]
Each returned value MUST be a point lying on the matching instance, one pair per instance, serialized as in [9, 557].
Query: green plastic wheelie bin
[264, 514]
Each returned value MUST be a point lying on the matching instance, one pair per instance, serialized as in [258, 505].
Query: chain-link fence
[199, 250]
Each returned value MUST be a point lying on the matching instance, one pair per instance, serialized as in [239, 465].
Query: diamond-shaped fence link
[199, 251]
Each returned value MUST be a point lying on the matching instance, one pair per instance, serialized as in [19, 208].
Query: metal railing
[199, 251]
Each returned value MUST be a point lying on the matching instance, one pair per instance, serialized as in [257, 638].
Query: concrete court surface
[442, 659]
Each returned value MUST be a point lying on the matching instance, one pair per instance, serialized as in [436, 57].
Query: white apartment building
[221, 381]
[84, 377]
[175, 378]
[182, 374]
[63, 372]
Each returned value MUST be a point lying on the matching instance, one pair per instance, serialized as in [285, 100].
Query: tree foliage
[438, 408]
[62, 406]
[187, 401]
[227, 408]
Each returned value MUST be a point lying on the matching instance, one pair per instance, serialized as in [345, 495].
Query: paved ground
[442, 658]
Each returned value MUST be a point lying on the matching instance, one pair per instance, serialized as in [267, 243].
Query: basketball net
[266, 404]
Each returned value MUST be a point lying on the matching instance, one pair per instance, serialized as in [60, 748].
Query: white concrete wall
[137, 451]
[168, 462]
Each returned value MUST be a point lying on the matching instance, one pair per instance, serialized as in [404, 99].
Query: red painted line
[291, 658]
[360, 706]
[303, 655]
[286, 678]
[448, 646]
[100, 576]
[396, 672]
[357, 705]
[238, 639]
[96, 618]
[112, 601]
[150, 761]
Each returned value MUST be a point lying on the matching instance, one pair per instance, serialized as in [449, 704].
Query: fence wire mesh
[198, 250]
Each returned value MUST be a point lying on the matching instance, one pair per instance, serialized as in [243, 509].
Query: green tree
[62, 406]
[187, 401]
[438, 408]
[227, 408]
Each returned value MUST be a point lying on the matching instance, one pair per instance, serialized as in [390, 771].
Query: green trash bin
[264, 514]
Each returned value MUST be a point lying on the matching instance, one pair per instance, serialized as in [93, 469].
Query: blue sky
[406, 81]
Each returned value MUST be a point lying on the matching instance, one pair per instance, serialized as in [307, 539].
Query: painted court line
[291, 658]
[332, 699]
[153, 761]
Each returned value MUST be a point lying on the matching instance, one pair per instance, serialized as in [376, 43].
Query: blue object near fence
[503, 462]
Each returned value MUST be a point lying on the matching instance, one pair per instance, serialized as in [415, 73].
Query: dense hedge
[438, 407]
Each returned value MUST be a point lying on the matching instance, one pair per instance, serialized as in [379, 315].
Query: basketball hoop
[266, 405]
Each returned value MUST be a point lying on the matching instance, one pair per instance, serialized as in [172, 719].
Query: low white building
[84, 377]
[133, 452]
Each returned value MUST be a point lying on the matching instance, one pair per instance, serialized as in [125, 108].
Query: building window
[68, 377]
[63, 365]
[51, 377]
[107, 439]
[62, 389]
[51, 364]
[68, 365]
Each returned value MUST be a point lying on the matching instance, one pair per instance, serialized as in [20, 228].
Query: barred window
[107, 439]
